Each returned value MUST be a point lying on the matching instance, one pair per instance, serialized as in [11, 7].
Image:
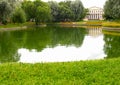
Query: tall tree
[78, 10]
[65, 13]
[54, 10]
[42, 12]
[67, 10]
[28, 7]
[37, 11]
[112, 10]
[5, 11]
[18, 16]
[14, 3]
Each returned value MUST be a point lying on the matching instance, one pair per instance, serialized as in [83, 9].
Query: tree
[65, 14]
[42, 12]
[78, 10]
[67, 10]
[54, 10]
[37, 11]
[42, 15]
[5, 11]
[14, 3]
[112, 10]
[28, 7]
[18, 16]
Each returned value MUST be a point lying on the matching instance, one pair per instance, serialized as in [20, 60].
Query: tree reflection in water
[38, 39]
[112, 45]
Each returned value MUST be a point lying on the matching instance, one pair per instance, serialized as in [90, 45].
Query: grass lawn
[99, 72]
[110, 24]
[82, 23]
[12, 25]
[94, 23]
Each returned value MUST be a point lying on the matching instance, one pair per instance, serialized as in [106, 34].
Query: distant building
[94, 13]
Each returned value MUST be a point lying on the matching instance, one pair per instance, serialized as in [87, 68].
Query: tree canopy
[5, 10]
[67, 10]
[18, 16]
[40, 12]
[7, 7]
[37, 11]
[112, 10]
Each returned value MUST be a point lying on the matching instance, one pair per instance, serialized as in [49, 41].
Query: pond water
[58, 44]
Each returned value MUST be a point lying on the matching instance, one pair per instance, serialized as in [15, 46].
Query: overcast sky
[87, 3]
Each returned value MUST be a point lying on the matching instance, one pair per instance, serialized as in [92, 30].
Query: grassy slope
[12, 25]
[103, 23]
[110, 24]
[94, 22]
[100, 72]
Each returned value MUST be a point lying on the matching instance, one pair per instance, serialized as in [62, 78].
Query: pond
[58, 44]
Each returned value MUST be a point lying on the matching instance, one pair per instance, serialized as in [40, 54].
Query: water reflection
[112, 45]
[93, 50]
[8, 48]
[94, 31]
[56, 44]
[38, 39]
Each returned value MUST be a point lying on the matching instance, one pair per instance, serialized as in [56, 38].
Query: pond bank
[13, 28]
[91, 23]
[99, 72]
[111, 29]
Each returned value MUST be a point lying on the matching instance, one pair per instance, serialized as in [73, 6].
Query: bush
[18, 16]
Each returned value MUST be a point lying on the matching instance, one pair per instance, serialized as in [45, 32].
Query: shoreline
[13, 28]
[108, 26]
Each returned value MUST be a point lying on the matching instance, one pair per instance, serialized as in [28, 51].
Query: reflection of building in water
[94, 13]
[94, 31]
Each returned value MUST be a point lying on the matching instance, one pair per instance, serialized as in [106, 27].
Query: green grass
[96, 23]
[99, 72]
[110, 24]
[12, 25]
[88, 23]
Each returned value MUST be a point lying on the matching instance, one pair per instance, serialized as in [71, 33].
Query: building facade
[94, 13]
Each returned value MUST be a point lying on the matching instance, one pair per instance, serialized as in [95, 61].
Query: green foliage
[54, 6]
[14, 3]
[67, 10]
[5, 11]
[102, 72]
[18, 16]
[65, 14]
[37, 11]
[42, 12]
[78, 10]
[28, 7]
[112, 10]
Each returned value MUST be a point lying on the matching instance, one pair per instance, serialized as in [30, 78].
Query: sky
[87, 3]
